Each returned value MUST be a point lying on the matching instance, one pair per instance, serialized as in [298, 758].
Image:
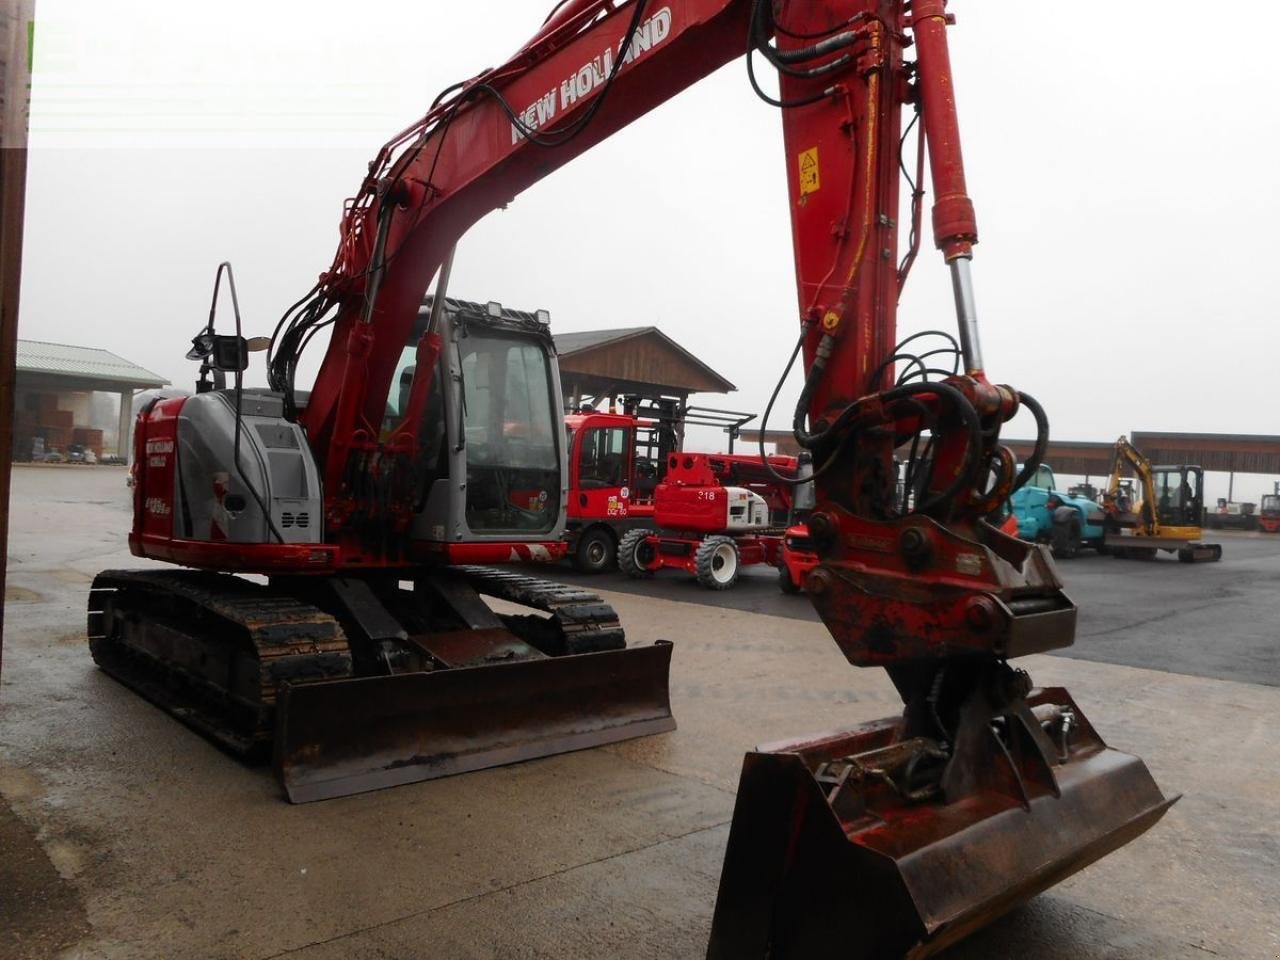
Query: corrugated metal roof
[88, 363]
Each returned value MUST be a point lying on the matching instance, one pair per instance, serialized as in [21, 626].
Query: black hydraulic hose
[757, 40]
[846, 39]
[1042, 440]
[972, 422]
[764, 421]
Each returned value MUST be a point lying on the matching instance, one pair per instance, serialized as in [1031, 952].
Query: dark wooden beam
[16, 19]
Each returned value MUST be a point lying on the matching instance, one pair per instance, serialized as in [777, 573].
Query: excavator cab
[1179, 495]
[493, 420]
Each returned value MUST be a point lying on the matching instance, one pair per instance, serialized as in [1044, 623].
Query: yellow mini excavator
[1168, 516]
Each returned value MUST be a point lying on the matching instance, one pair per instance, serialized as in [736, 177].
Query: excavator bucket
[833, 852]
[340, 737]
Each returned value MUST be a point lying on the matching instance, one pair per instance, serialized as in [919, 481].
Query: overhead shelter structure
[1229, 453]
[1076, 458]
[782, 441]
[53, 397]
[639, 361]
[642, 364]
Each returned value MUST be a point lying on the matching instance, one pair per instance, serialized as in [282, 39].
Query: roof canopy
[66, 367]
[1224, 452]
[641, 360]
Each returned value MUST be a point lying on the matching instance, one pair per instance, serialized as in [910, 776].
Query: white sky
[1122, 162]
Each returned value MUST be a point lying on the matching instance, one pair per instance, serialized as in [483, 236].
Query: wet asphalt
[125, 835]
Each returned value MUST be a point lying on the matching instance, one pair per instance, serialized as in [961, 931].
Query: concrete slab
[176, 850]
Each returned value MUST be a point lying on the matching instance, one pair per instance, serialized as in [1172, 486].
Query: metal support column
[124, 424]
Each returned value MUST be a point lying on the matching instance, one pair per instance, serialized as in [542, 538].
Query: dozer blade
[811, 871]
[347, 736]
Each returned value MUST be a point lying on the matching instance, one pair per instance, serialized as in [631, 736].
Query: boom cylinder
[955, 229]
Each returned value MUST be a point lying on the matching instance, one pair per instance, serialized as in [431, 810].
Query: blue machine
[1047, 515]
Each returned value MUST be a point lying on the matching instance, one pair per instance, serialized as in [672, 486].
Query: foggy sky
[1122, 164]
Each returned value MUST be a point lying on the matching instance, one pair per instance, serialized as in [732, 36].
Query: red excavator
[373, 660]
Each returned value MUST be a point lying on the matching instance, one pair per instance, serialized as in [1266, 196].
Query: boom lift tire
[717, 562]
[635, 553]
[597, 551]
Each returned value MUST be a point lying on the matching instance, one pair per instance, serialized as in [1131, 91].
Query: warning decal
[809, 171]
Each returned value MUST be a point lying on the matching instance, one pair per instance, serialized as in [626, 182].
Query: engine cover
[189, 484]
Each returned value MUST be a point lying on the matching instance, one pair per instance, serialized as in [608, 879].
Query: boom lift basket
[826, 859]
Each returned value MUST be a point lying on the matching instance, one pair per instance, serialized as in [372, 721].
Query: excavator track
[211, 649]
[580, 621]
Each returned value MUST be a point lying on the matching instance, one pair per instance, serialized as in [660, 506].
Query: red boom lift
[719, 510]
[618, 460]
[710, 523]
[895, 838]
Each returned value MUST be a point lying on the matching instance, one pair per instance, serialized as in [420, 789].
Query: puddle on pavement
[72, 576]
[21, 595]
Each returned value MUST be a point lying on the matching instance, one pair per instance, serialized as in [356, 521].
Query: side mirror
[228, 354]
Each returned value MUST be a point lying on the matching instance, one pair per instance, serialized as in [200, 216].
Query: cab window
[603, 460]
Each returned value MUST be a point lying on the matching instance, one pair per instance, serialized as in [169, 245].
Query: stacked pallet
[40, 417]
[90, 438]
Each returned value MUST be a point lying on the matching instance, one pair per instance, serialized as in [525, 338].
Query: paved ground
[123, 835]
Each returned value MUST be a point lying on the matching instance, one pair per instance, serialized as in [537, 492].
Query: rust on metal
[348, 736]
[811, 871]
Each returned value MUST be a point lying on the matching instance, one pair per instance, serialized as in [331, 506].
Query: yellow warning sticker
[809, 181]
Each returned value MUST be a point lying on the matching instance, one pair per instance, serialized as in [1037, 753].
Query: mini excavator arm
[1126, 452]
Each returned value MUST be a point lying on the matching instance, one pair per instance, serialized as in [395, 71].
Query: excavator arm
[901, 836]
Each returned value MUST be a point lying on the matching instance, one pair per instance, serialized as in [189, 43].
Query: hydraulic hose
[1042, 440]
